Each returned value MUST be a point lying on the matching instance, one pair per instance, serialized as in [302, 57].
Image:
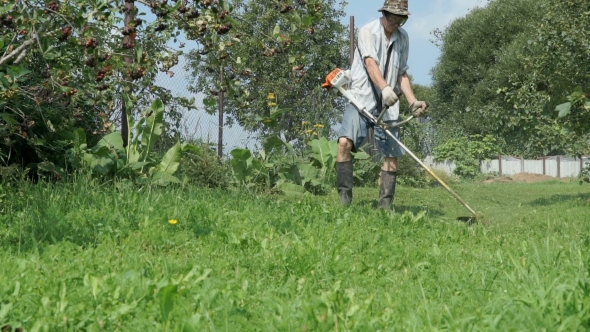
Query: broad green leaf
[171, 160]
[132, 154]
[112, 141]
[308, 172]
[210, 101]
[153, 128]
[167, 296]
[276, 31]
[564, 109]
[163, 179]
[138, 53]
[241, 154]
[307, 20]
[4, 310]
[8, 118]
[7, 8]
[361, 155]
[139, 165]
[102, 164]
[321, 151]
[79, 138]
[4, 82]
[187, 147]
[271, 143]
[291, 189]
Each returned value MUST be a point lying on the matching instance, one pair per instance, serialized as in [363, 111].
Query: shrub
[467, 152]
[585, 174]
[204, 168]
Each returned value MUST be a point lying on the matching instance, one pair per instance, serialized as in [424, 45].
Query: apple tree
[271, 63]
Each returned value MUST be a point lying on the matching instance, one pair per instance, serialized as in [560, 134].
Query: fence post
[500, 164]
[522, 164]
[220, 133]
[558, 167]
[581, 164]
[544, 166]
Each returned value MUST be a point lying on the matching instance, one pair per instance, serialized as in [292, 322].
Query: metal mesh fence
[198, 125]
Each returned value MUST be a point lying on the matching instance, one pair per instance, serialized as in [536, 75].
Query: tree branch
[18, 50]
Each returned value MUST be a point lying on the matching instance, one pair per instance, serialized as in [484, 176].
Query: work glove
[389, 97]
[419, 108]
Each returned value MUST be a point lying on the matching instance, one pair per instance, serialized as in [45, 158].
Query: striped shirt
[373, 43]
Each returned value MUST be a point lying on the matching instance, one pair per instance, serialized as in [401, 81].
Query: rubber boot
[344, 181]
[386, 190]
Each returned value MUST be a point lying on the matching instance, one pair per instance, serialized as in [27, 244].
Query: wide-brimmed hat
[397, 7]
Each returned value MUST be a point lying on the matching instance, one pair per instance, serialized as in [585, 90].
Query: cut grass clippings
[88, 257]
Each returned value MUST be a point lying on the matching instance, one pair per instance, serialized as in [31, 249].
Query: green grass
[89, 257]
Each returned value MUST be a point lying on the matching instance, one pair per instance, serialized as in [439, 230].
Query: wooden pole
[558, 167]
[220, 133]
[544, 166]
[129, 40]
[500, 164]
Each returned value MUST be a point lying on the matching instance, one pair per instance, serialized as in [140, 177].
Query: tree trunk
[127, 41]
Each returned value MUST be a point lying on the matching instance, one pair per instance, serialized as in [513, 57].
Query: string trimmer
[336, 81]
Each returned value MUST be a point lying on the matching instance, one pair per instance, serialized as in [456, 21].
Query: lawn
[93, 257]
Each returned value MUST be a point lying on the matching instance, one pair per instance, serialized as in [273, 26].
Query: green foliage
[135, 161]
[93, 256]
[278, 167]
[471, 47]
[279, 51]
[366, 171]
[204, 168]
[506, 67]
[585, 174]
[578, 100]
[64, 64]
[467, 153]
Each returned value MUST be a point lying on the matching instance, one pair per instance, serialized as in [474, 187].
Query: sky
[427, 15]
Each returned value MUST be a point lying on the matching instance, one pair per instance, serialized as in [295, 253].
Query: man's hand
[389, 97]
[419, 108]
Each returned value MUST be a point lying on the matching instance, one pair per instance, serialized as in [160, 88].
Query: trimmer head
[471, 220]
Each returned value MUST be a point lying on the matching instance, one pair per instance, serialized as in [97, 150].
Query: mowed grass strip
[94, 257]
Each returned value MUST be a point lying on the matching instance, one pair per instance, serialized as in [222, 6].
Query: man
[378, 72]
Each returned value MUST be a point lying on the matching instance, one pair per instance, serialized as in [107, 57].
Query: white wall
[568, 167]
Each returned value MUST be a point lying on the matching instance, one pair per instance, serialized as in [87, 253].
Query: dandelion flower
[270, 96]
[173, 221]
[318, 125]
[272, 104]
[305, 123]
[309, 131]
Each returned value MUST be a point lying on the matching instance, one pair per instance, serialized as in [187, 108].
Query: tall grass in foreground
[92, 257]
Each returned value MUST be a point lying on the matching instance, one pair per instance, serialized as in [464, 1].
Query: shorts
[355, 128]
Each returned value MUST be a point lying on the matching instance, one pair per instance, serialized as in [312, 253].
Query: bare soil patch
[522, 177]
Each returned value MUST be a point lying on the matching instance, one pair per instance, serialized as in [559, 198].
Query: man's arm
[403, 81]
[375, 73]
[418, 108]
[389, 96]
